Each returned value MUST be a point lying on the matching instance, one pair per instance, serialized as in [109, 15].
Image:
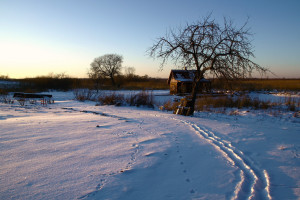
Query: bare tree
[129, 72]
[224, 50]
[108, 65]
[96, 76]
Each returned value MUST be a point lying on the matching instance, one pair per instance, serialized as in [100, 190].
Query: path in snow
[253, 182]
[185, 170]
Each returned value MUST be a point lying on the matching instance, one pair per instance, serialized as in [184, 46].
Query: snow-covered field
[76, 150]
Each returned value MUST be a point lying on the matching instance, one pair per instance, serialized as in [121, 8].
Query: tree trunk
[112, 81]
[97, 82]
[97, 85]
[193, 98]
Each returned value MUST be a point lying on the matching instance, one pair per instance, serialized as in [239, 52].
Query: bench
[31, 95]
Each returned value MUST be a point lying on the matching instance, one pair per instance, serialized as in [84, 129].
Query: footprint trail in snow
[254, 182]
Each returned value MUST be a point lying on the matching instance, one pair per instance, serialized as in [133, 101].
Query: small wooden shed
[181, 82]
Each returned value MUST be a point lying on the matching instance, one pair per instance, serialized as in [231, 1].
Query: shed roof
[184, 76]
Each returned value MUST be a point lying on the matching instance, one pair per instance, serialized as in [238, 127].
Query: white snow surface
[76, 150]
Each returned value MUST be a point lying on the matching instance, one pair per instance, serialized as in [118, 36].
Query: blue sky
[38, 37]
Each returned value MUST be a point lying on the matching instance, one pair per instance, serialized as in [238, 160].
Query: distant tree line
[136, 82]
[109, 67]
[63, 82]
[4, 77]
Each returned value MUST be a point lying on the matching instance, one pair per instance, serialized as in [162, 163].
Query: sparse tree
[129, 72]
[108, 65]
[62, 75]
[4, 77]
[207, 46]
[96, 76]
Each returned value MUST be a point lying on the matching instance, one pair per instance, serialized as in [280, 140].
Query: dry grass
[219, 104]
[206, 103]
[64, 83]
[143, 98]
[258, 84]
[170, 106]
[159, 84]
[3, 92]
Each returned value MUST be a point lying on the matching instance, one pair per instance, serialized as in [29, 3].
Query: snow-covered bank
[71, 150]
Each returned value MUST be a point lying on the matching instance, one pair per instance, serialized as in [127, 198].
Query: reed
[257, 84]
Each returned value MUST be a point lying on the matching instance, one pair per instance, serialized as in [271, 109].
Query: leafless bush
[291, 103]
[84, 94]
[21, 102]
[111, 99]
[144, 98]
[6, 99]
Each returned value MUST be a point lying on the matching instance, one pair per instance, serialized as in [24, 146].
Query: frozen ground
[76, 150]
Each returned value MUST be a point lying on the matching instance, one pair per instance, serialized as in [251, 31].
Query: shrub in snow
[143, 98]
[3, 92]
[296, 114]
[21, 102]
[6, 99]
[171, 106]
[84, 94]
[111, 99]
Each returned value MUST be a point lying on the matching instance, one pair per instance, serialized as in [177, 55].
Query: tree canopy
[108, 65]
[224, 50]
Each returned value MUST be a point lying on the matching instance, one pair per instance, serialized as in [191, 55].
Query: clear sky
[38, 37]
